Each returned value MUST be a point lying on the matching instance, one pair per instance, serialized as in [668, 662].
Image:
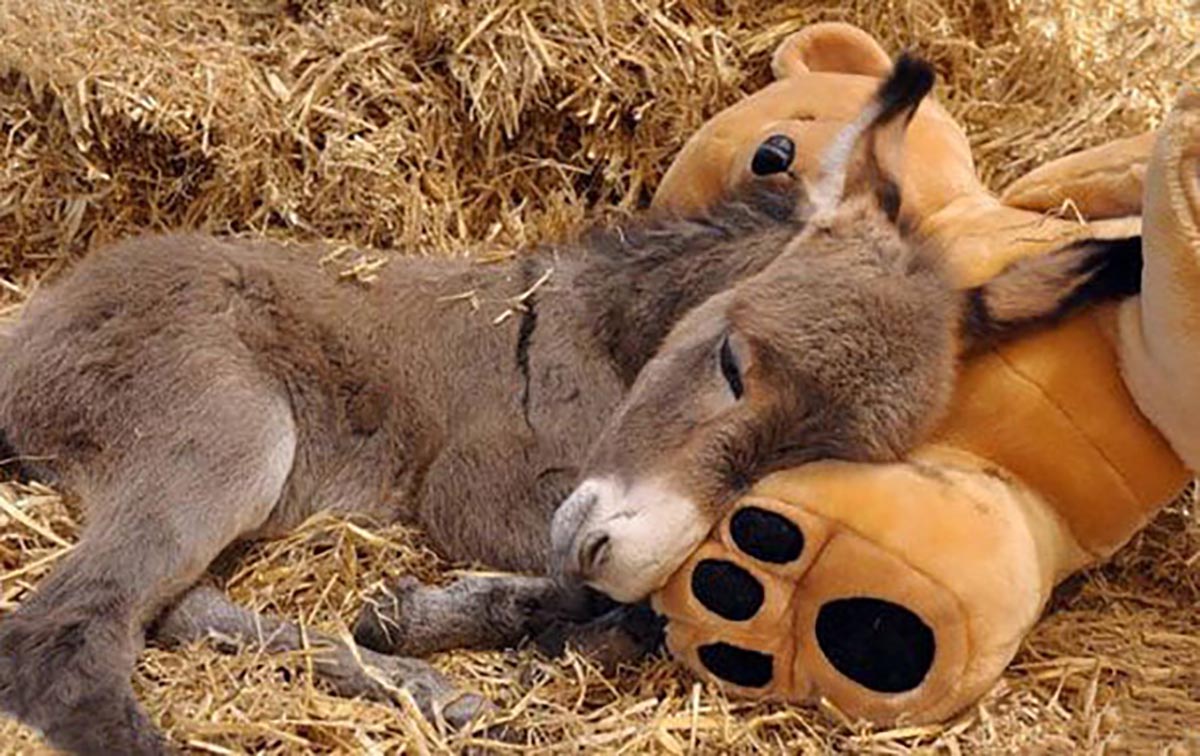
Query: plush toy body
[900, 592]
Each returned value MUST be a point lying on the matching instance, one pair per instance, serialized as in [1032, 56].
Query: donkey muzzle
[624, 540]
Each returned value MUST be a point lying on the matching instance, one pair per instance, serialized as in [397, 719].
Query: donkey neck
[634, 282]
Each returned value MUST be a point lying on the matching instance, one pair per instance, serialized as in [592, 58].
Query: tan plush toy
[900, 592]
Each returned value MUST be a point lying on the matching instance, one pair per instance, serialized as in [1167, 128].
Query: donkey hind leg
[205, 613]
[67, 653]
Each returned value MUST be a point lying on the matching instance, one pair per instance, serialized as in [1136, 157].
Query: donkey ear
[865, 158]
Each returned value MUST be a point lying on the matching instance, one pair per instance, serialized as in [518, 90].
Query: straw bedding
[445, 127]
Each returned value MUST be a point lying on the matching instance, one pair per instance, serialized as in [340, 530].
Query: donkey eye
[730, 369]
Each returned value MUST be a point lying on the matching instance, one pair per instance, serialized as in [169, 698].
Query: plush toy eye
[774, 155]
[731, 369]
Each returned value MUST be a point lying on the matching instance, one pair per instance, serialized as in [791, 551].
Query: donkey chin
[625, 540]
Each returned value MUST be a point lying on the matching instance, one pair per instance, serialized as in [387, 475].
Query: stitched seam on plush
[1070, 419]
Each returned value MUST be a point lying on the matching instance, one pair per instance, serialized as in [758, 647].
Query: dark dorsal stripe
[766, 536]
[529, 319]
[727, 590]
[740, 666]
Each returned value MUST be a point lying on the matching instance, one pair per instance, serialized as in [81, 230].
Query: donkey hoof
[379, 625]
[465, 709]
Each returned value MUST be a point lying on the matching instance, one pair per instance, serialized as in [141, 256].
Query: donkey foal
[198, 392]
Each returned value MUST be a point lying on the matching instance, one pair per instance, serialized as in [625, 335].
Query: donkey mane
[683, 260]
[653, 238]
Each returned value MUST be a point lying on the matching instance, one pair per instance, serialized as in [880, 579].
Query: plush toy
[900, 592]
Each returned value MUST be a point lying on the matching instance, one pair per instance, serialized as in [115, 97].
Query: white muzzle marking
[623, 541]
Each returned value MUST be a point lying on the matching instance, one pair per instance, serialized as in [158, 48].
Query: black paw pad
[766, 536]
[877, 644]
[727, 590]
[749, 669]
[774, 155]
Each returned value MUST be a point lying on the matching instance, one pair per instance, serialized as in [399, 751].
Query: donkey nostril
[595, 550]
[567, 527]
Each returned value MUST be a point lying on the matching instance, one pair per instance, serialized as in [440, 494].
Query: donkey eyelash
[738, 478]
[732, 465]
[730, 370]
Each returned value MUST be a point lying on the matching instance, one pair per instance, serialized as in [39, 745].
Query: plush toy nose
[774, 155]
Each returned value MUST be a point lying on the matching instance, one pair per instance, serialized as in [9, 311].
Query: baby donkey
[198, 392]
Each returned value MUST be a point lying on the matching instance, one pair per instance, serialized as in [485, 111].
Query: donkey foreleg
[500, 611]
[207, 614]
[473, 612]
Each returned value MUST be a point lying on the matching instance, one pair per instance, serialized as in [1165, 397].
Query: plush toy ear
[865, 158]
[830, 48]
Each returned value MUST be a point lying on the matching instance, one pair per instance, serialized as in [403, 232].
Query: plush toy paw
[774, 613]
[881, 645]
[876, 587]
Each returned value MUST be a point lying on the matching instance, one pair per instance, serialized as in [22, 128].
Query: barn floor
[486, 125]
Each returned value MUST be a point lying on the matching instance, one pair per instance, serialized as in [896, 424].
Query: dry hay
[488, 124]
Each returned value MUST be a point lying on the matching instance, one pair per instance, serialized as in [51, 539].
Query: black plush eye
[731, 370]
[774, 155]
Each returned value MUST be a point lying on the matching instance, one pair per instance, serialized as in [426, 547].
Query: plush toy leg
[897, 592]
[830, 47]
[1103, 182]
[982, 236]
[1160, 331]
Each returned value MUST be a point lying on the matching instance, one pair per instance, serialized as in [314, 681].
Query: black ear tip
[911, 79]
[917, 70]
[1112, 270]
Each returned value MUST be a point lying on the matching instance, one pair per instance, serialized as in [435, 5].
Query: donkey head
[777, 370]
